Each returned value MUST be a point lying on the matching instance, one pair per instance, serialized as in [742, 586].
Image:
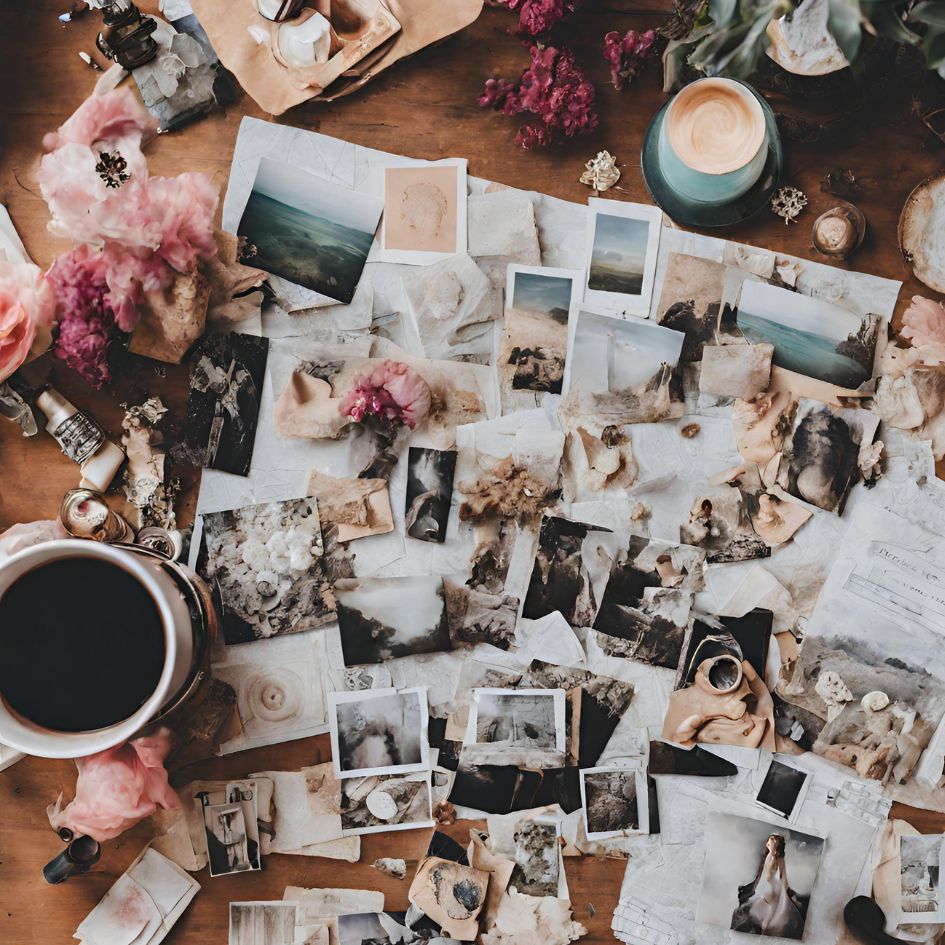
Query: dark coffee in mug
[81, 645]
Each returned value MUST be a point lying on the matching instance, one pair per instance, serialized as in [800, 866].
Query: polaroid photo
[361, 928]
[262, 923]
[267, 563]
[424, 212]
[783, 788]
[227, 840]
[226, 385]
[380, 804]
[379, 731]
[539, 303]
[385, 618]
[307, 231]
[623, 240]
[920, 878]
[811, 337]
[429, 493]
[615, 802]
[757, 877]
[523, 727]
[537, 856]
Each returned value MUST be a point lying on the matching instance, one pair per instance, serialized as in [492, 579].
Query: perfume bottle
[81, 439]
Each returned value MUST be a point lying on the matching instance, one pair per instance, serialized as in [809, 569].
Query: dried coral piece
[506, 490]
[787, 203]
[601, 172]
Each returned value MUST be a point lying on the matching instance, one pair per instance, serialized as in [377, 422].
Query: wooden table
[425, 108]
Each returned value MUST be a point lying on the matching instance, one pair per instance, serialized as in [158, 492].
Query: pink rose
[392, 392]
[27, 309]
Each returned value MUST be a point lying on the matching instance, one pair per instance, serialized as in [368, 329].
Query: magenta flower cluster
[537, 17]
[627, 54]
[553, 90]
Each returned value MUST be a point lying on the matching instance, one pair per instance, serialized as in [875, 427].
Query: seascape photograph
[307, 231]
[810, 336]
[618, 254]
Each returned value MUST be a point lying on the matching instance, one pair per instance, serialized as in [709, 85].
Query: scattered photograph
[516, 726]
[691, 302]
[707, 637]
[920, 877]
[811, 337]
[315, 234]
[537, 857]
[378, 804]
[622, 243]
[385, 618]
[559, 579]
[644, 610]
[538, 305]
[361, 928]
[477, 615]
[267, 564]
[378, 731]
[227, 846]
[720, 524]
[262, 923]
[429, 492]
[820, 459]
[615, 802]
[226, 384]
[424, 212]
[782, 788]
[757, 877]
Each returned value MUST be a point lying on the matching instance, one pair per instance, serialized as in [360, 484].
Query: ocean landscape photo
[618, 254]
[810, 336]
[312, 233]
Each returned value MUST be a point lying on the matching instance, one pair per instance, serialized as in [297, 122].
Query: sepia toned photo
[920, 877]
[379, 804]
[429, 493]
[615, 802]
[262, 923]
[227, 841]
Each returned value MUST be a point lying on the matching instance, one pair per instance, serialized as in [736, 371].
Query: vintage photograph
[267, 564]
[262, 923]
[378, 731]
[820, 460]
[378, 804]
[782, 788]
[538, 305]
[920, 877]
[384, 618]
[308, 231]
[720, 524]
[429, 492]
[757, 877]
[622, 243]
[537, 857]
[227, 841]
[226, 384]
[615, 802]
[361, 928]
[424, 212]
[810, 336]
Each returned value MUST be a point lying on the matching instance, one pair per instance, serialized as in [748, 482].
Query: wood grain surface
[425, 108]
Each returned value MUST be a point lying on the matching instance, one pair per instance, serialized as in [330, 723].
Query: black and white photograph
[615, 802]
[782, 788]
[383, 803]
[639, 618]
[361, 928]
[622, 244]
[315, 234]
[378, 731]
[539, 303]
[267, 564]
[720, 524]
[820, 460]
[757, 877]
[262, 923]
[226, 385]
[385, 618]
[523, 727]
[537, 857]
[707, 637]
[560, 579]
[920, 877]
[811, 336]
[429, 492]
[227, 842]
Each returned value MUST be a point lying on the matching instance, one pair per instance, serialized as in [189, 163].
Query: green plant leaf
[930, 12]
[886, 20]
[723, 11]
[845, 24]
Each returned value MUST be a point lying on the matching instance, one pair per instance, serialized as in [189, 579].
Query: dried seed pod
[839, 231]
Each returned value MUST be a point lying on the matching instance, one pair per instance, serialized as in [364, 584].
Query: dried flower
[601, 172]
[392, 392]
[27, 308]
[554, 90]
[537, 17]
[788, 203]
[923, 322]
[628, 54]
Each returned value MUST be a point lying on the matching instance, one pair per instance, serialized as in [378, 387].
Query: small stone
[391, 866]
[381, 804]
[444, 813]
[690, 430]
[874, 701]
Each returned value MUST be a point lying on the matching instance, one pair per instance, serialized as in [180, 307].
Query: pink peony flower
[115, 116]
[536, 17]
[627, 54]
[392, 392]
[27, 309]
[923, 322]
[183, 207]
[118, 787]
[553, 90]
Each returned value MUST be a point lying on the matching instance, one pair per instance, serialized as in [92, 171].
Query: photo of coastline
[810, 336]
[314, 234]
[618, 255]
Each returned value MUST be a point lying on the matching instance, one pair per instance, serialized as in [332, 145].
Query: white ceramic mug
[178, 630]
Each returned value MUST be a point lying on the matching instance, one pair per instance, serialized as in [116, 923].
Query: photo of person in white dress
[767, 905]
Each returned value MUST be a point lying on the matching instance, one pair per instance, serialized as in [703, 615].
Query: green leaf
[930, 12]
[886, 20]
[933, 45]
[845, 24]
[722, 11]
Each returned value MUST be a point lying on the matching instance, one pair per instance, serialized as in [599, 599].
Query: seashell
[875, 701]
